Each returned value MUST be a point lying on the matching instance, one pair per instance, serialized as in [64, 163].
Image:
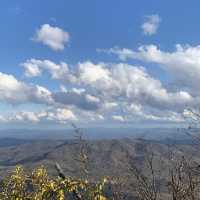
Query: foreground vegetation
[171, 175]
[38, 186]
[181, 183]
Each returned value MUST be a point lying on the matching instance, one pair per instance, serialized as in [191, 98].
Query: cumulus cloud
[170, 117]
[58, 71]
[118, 118]
[106, 84]
[31, 70]
[113, 81]
[53, 37]
[133, 83]
[17, 92]
[24, 116]
[106, 88]
[138, 112]
[78, 98]
[39, 94]
[183, 64]
[2, 119]
[59, 115]
[89, 72]
[151, 24]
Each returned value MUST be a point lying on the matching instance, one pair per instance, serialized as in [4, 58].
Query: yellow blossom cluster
[37, 185]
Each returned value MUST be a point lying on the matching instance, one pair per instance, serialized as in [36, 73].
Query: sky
[99, 63]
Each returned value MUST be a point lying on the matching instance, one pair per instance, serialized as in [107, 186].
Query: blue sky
[98, 62]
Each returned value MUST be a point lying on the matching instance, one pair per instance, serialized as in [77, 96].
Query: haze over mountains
[32, 148]
[98, 133]
[110, 152]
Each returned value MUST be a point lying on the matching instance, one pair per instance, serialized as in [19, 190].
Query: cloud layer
[118, 91]
[60, 115]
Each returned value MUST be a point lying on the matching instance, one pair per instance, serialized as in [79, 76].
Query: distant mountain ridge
[97, 133]
[106, 157]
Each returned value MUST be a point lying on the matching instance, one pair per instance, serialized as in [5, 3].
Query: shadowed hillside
[106, 158]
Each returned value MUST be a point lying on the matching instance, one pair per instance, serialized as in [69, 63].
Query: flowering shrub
[37, 185]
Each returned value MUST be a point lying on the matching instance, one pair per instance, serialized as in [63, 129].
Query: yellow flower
[100, 197]
[105, 180]
[61, 195]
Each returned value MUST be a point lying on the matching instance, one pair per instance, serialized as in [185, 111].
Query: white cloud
[118, 118]
[132, 83]
[57, 71]
[100, 117]
[151, 24]
[25, 116]
[105, 87]
[17, 92]
[172, 117]
[90, 73]
[136, 109]
[2, 119]
[110, 105]
[108, 82]
[58, 115]
[183, 64]
[31, 70]
[40, 95]
[53, 37]
[192, 115]
[78, 98]
[137, 112]
[61, 115]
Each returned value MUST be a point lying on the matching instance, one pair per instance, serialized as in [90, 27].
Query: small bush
[37, 185]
